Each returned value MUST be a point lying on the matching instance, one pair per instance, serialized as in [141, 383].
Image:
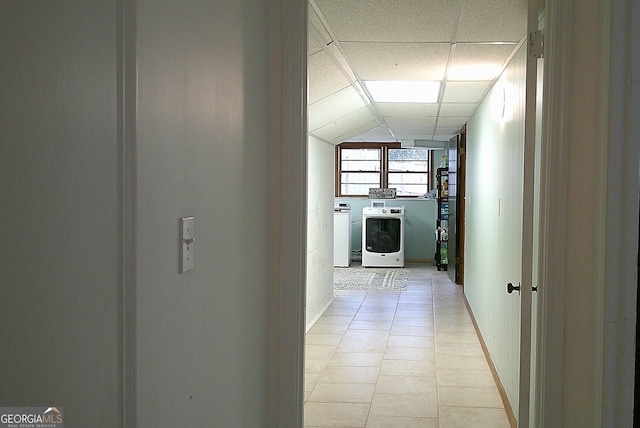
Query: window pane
[397, 178]
[411, 189]
[372, 178]
[409, 184]
[355, 189]
[360, 165]
[360, 154]
[357, 183]
[409, 160]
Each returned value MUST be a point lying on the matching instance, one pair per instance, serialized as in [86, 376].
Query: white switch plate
[188, 239]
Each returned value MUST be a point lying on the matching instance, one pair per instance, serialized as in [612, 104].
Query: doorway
[552, 259]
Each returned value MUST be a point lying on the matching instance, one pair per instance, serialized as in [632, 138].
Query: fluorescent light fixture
[403, 91]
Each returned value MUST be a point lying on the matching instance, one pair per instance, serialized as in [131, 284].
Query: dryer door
[383, 234]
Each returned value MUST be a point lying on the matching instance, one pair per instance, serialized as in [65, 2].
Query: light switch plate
[188, 240]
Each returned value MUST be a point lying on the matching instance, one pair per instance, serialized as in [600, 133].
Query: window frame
[384, 166]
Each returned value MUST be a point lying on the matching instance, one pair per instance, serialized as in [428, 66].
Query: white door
[529, 214]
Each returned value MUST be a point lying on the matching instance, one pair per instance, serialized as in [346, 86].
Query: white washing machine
[383, 237]
[342, 235]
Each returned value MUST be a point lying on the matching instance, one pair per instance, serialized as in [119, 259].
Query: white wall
[319, 228]
[203, 150]
[493, 222]
[59, 341]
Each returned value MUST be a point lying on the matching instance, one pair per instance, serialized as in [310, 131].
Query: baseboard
[317, 317]
[418, 260]
[503, 395]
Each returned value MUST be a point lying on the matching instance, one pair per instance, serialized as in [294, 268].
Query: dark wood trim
[384, 173]
[336, 180]
[503, 395]
[461, 207]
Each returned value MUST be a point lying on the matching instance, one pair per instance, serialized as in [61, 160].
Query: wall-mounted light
[502, 101]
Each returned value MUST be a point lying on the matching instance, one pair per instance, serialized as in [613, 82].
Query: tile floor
[400, 359]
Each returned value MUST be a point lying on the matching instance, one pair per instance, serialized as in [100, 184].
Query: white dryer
[383, 237]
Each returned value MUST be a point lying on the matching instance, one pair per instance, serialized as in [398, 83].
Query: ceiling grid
[464, 45]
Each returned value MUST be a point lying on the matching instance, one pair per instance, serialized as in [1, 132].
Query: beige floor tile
[342, 393]
[335, 414]
[413, 314]
[370, 345]
[407, 353]
[416, 295]
[400, 359]
[401, 422]
[334, 319]
[404, 330]
[465, 377]
[356, 359]
[328, 328]
[449, 308]
[466, 396]
[315, 365]
[358, 334]
[408, 368]
[319, 351]
[310, 380]
[418, 385]
[404, 405]
[457, 337]
[386, 315]
[323, 339]
[371, 325]
[348, 311]
[443, 326]
[460, 417]
[462, 361]
[411, 341]
[468, 349]
[416, 305]
[413, 321]
[349, 375]
[419, 288]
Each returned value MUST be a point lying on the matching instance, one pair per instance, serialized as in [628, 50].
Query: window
[361, 166]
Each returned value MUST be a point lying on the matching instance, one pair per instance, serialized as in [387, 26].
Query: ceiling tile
[390, 20]
[410, 125]
[398, 61]
[333, 107]
[457, 109]
[448, 131]
[453, 121]
[351, 125]
[316, 25]
[313, 46]
[379, 134]
[465, 92]
[443, 137]
[325, 78]
[479, 61]
[408, 109]
[493, 21]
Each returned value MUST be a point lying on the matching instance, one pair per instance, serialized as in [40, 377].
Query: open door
[529, 203]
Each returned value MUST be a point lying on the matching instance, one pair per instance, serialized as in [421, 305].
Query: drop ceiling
[463, 44]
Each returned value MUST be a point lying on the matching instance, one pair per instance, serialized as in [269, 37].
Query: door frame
[288, 211]
[285, 386]
[612, 293]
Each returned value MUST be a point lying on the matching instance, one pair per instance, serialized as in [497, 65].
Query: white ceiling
[465, 44]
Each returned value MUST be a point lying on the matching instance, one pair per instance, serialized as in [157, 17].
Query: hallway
[400, 359]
